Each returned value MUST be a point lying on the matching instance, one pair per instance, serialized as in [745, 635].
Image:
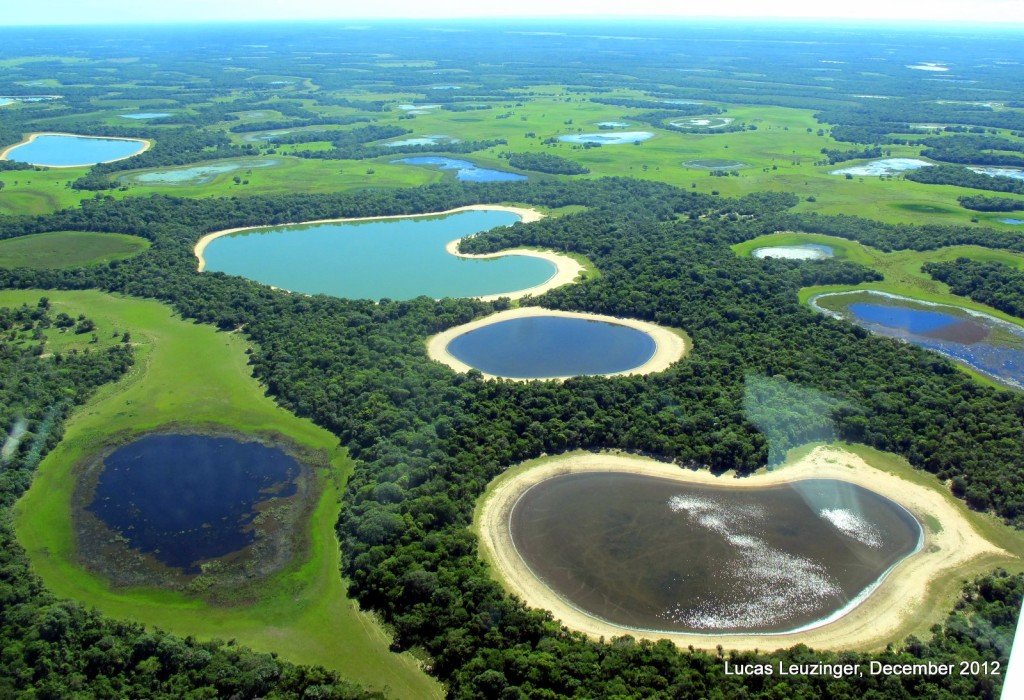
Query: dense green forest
[1000, 286]
[428, 441]
[983, 203]
[546, 163]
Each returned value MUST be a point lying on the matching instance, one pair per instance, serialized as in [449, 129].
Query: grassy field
[61, 249]
[190, 373]
[781, 155]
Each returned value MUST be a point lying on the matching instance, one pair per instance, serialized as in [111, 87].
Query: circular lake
[804, 251]
[987, 344]
[67, 150]
[656, 554]
[393, 258]
[546, 347]
[183, 500]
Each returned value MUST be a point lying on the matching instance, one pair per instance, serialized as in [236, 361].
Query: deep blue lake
[59, 150]
[552, 346]
[984, 343]
[465, 171]
[186, 499]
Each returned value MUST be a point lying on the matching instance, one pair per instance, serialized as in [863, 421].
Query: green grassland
[191, 374]
[60, 249]
[781, 154]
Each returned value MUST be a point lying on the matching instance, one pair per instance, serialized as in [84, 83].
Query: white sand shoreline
[670, 347]
[567, 270]
[146, 145]
[879, 618]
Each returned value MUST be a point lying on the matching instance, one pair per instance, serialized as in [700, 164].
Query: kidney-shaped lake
[652, 553]
[394, 258]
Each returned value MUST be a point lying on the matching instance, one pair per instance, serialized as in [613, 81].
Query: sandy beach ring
[567, 270]
[670, 346]
[886, 615]
[146, 145]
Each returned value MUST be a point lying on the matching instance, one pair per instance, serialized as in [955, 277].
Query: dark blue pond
[186, 499]
[465, 171]
[552, 346]
[982, 342]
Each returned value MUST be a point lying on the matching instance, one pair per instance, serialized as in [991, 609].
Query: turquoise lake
[394, 259]
[538, 347]
[59, 150]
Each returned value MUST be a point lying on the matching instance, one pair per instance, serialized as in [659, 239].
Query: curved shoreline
[873, 622]
[146, 145]
[567, 270]
[669, 347]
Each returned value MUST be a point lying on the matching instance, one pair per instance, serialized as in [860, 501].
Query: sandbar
[890, 612]
[146, 145]
[566, 269]
[669, 346]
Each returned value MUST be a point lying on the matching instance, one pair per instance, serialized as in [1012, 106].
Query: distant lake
[982, 342]
[60, 150]
[196, 174]
[658, 554]
[395, 258]
[886, 166]
[805, 251]
[613, 125]
[702, 122]
[464, 170]
[552, 346]
[1013, 222]
[186, 499]
[1015, 173]
[147, 115]
[608, 139]
[4, 101]
[429, 140]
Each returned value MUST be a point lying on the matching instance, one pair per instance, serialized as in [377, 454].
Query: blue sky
[147, 11]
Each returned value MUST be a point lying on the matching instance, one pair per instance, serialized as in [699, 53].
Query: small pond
[652, 553]
[1015, 173]
[146, 115]
[66, 150]
[196, 174]
[465, 171]
[885, 166]
[608, 139]
[984, 343]
[804, 251]
[540, 347]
